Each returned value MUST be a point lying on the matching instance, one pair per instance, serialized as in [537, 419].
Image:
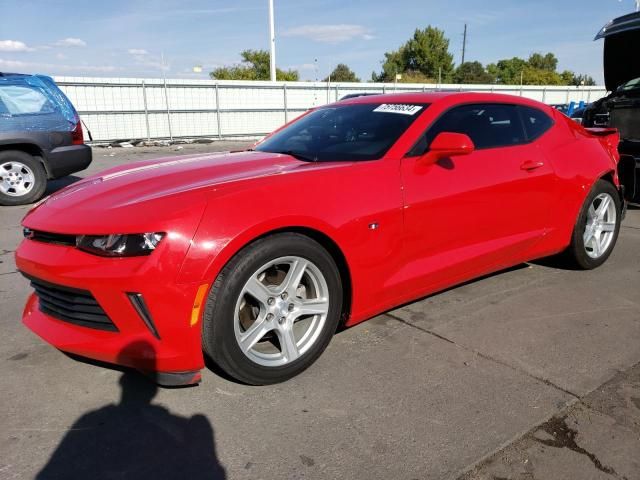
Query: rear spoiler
[601, 132]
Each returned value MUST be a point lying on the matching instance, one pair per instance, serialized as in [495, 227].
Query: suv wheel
[22, 178]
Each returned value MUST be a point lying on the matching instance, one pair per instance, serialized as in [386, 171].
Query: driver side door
[467, 215]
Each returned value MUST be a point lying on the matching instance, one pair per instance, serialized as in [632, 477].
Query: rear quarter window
[24, 100]
[536, 122]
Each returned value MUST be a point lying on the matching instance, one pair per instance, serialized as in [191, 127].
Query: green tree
[342, 73]
[425, 55]
[392, 65]
[582, 79]
[413, 76]
[254, 66]
[539, 69]
[507, 71]
[471, 72]
[543, 62]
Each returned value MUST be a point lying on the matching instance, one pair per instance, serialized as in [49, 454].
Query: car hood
[149, 193]
[621, 46]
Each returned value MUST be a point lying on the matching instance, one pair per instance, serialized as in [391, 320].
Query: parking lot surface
[529, 373]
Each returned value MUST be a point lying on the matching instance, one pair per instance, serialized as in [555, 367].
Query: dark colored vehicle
[571, 110]
[578, 114]
[40, 137]
[621, 108]
[356, 95]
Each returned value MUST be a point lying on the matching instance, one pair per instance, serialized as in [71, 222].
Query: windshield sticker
[400, 108]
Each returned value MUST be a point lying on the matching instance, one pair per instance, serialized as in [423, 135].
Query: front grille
[48, 237]
[71, 305]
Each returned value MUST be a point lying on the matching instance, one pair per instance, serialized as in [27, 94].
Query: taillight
[77, 138]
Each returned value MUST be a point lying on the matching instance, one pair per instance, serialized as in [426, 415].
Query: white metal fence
[135, 108]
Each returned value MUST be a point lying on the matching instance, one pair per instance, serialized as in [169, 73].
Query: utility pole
[464, 42]
[272, 44]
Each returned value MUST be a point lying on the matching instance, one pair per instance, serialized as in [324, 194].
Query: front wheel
[597, 228]
[273, 309]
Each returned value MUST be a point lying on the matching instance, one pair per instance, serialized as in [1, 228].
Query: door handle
[531, 165]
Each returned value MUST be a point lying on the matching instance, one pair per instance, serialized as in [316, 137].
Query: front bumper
[173, 358]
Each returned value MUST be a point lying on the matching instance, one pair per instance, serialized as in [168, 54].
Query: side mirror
[448, 144]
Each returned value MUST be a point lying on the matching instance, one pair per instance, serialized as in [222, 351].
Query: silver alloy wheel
[281, 311]
[16, 179]
[601, 225]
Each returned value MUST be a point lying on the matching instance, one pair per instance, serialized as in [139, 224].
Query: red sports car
[254, 258]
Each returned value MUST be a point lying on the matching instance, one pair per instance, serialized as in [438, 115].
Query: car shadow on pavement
[136, 438]
[59, 183]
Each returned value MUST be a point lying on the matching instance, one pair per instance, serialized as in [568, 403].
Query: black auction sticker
[400, 108]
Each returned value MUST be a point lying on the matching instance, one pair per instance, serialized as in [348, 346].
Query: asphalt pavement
[531, 373]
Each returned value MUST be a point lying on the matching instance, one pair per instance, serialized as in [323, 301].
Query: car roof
[18, 75]
[437, 97]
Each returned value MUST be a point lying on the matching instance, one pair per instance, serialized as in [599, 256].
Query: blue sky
[126, 38]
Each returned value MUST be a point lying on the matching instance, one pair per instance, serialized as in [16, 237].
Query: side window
[488, 126]
[24, 100]
[536, 122]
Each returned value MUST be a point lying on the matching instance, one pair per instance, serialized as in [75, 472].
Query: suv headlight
[119, 245]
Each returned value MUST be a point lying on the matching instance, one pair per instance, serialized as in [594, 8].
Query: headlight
[116, 245]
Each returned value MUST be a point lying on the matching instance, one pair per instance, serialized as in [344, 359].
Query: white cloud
[70, 42]
[54, 68]
[137, 51]
[12, 64]
[151, 62]
[329, 33]
[302, 66]
[14, 46]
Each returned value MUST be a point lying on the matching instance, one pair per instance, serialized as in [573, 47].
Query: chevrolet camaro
[253, 259]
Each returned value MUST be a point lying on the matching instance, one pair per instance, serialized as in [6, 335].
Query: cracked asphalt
[531, 373]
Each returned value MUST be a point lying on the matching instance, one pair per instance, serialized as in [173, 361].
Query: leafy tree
[254, 66]
[582, 79]
[393, 64]
[507, 71]
[471, 72]
[342, 73]
[412, 76]
[424, 55]
[539, 69]
[567, 77]
[547, 62]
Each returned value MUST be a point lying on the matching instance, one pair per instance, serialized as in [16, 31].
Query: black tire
[576, 253]
[218, 336]
[39, 174]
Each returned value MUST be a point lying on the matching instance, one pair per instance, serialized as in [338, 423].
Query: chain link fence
[136, 108]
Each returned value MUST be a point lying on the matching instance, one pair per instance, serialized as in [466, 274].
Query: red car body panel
[437, 225]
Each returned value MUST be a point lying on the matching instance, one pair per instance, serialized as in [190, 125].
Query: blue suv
[40, 137]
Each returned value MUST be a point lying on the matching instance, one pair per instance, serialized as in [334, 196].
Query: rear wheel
[596, 230]
[273, 309]
[22, 178]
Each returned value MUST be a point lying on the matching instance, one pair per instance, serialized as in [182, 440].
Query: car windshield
[631, 84]
[364, 131]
